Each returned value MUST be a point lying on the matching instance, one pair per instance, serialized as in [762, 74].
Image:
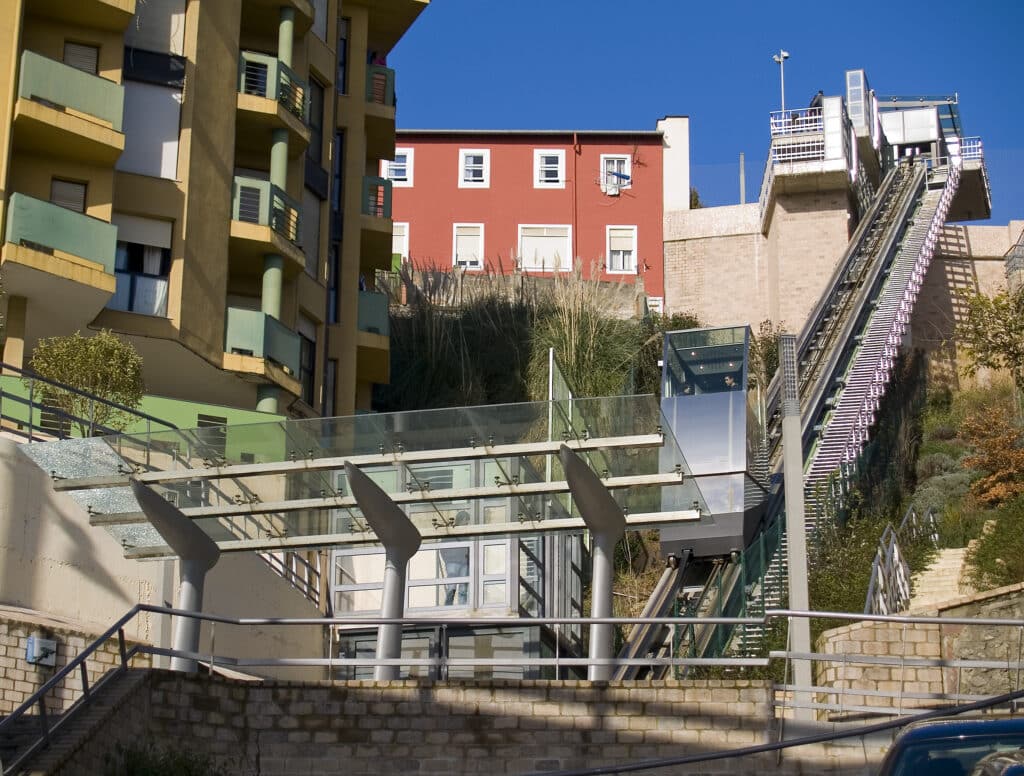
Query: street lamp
[780, 60]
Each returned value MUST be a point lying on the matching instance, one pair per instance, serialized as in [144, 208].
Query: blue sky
[598, 64]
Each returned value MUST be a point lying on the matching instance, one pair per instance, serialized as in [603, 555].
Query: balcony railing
[373, 313]
[63, 87]
[46, 227]
[265, 76]
[376, 197]
[797, 122]
[971, 149]
[254, 333]
[380, 85]
[256, 201]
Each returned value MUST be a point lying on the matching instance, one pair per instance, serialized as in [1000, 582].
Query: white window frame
[608, 185]
[485, 183]
[538, 154]
[608, 249]
[455, 260]
[564, 267]
[385, 168]
[405, 239]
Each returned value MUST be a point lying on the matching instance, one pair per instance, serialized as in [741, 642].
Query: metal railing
[797, 121]
[261, 202]
[266, 76]
[380, 85]
[889, 590]
[971, 149]
[376, 197]
[298, 572]
[438, 664]
[53, 421]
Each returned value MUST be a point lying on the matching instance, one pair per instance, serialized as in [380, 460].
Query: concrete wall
[53, 562]
[455, 728]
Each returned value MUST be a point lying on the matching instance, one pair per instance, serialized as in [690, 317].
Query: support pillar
[279, 158]
[197, 554]
[270, 287]
[401, 540]
[796, 531]
[607, 524]
[286, 35]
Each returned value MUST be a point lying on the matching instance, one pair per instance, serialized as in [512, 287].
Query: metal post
[607, 524]
[796, 532]
[186, 629]
[401, 540]
[780, 60]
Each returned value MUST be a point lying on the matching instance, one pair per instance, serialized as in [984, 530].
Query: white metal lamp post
[780, 60]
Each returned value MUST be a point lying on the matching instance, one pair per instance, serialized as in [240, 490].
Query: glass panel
[424, 565]
[494, 594]
[494, 558]
[359, 569]
[358, 600]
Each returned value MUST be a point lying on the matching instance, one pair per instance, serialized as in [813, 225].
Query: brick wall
[19, 680]
[492, 727]
[928, 641]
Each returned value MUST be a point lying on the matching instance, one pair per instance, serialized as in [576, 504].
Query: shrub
[934, 464]
[937, 492]
[997, 558]
[147, 759]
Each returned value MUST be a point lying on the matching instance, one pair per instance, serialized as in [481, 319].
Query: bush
[938, 492]
[997, 558]
[960, 523]
[147, 759]
[934, 464]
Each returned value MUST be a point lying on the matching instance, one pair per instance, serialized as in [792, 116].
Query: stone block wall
[473, 727]
[19, 679]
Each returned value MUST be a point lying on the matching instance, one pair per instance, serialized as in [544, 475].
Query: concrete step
[941, 581]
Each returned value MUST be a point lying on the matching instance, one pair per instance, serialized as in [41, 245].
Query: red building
[496, 201]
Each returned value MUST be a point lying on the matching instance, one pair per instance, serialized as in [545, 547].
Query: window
[311, 231]
[333, 271]
[439, 577]
[342, 82]
[82, 57]
[330, 386]
[315, 149]
[337, 165]
[320, 19]
[621, 249]
[399, 171]
[468, 246]
[545, 247]
[142, 265]
[151, 119]
[616, 173]
[548, 169]
[68, 194]
[307, 359]
[400, 240]
[158, 26]
[474, 168]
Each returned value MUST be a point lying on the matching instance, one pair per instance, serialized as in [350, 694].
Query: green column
[266, 398]
[285, 35]
[270, 288]
[279, 159]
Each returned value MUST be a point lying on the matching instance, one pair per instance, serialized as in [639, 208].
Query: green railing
[256, 201]
[373, 313]
[380, 85]
[376, 197]
[254, 333]
[52, 82]
[44, 226]
[266, 76]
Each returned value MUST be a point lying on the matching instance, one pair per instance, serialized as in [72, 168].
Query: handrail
[889, 588]
[32, 378]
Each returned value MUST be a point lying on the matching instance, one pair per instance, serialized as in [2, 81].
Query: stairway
[940, 581]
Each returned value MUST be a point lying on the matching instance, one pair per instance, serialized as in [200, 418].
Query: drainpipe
[401, 540]
[604, 518]
[197, 554]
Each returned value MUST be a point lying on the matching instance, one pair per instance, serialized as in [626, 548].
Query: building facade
[189, 174]
[540, 201]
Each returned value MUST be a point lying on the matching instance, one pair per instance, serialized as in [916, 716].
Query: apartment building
[190, 174]
[538, 201]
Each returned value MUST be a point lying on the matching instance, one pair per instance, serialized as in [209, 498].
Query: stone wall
[477, 727]
[19, 679]
[921, 640]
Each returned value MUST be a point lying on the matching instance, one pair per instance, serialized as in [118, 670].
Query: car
[970, 746]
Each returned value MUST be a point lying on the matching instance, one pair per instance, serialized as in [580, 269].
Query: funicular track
[845, 353]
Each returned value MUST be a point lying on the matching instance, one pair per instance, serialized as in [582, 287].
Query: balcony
[373, 354]
[375, 225]
[62, 260]
[270, 96]
[111, 15]
[373, 313]
[377, 198]
[380, 112]
[264, 219]
[64, 111]
[255, 334]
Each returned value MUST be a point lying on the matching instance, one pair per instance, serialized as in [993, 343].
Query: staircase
[940, 581]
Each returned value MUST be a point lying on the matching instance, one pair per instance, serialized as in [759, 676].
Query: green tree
[103, 365]
[695, 200]
[764, 354]
[992, 332]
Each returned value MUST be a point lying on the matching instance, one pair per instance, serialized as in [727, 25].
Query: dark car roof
[955, 728]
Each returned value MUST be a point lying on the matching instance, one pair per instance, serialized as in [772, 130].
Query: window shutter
[68, 195]
[620, 240]
[82, 57]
